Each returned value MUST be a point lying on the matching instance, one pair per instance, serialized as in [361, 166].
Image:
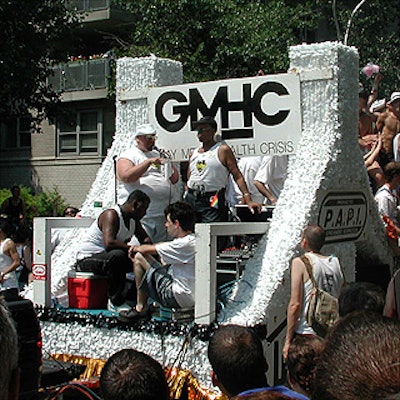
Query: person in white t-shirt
[171, 282]
[144, 167]
[271, 176]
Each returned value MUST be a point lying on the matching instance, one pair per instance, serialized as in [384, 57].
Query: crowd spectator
[143, 167]
[9, 262]
[238, 363]
[360, 360]
[23, 244]
[104, 249]
[14, 207]
[328, 276]
[392, 301]
[169, 282]
[388, 124]
[9, 377]
[386, 196]
[209, 169]
[361, 296]
[133, 375]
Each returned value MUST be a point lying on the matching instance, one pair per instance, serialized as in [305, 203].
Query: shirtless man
[388, 125]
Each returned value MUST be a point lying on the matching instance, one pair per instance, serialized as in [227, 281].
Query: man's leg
[140, 266]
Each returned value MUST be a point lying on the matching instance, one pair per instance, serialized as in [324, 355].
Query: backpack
[323, 310]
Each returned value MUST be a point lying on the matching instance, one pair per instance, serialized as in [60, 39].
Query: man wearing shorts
[171, 281]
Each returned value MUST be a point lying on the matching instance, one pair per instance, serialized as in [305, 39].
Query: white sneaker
[117, 309]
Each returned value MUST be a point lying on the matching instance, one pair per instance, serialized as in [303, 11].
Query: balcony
[100, 13]
[81, 80]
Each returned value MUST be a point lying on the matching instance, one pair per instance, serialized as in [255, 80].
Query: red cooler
[87, 290]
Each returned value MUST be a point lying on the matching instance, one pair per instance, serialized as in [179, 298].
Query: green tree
[216, 39]
[34, 34]
[220, 39]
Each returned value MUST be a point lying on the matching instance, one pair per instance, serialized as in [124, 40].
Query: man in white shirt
[386, 197]
[143, 167]
[271, 176]
[171, 282]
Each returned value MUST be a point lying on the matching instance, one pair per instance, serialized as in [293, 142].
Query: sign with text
[343, 215]
[255, 116]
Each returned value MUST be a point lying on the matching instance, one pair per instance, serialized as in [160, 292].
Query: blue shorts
[157, 283]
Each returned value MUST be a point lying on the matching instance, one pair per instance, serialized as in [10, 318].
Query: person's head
[136, 205]
[313, 238]
[206, 128]
[394, 103]
[15, 191]
[70, 212]
[303, 355]
[9, 377]
[360, 360]
[146, 136]
[133, 375]
[179, 214]
[237, 358]
[6, 228]
[361, 296]
[392, 172]
[263, 395]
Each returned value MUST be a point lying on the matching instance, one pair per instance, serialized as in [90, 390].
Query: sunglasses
[154, 137]
[203, 129]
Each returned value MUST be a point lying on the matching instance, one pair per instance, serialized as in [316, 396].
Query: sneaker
[133, 315]
[117, 309]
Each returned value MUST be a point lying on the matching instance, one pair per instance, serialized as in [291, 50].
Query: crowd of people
[150, 232]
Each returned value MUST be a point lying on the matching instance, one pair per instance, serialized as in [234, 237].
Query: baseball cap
[145, 129]
[206, 120]
[394, 96]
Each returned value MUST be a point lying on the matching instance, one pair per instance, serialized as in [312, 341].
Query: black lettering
[350, 215]
[262, 90]
[172, 126]
[328, 217]
[339, 218]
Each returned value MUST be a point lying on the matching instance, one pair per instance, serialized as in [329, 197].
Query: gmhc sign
[255, 116]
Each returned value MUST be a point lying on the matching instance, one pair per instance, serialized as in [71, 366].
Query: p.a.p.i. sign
[255, 116]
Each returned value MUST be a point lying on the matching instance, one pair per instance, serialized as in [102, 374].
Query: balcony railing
[88, 5]
[81, 75]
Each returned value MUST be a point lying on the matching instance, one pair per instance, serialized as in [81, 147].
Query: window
[16, 134]
[81, 133]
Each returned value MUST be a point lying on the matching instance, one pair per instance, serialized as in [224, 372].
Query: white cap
[145, 129]
[394, 96]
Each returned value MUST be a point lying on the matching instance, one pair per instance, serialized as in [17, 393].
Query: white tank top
[94, 243]
[329, 277]
[10, 279]
[207, 173]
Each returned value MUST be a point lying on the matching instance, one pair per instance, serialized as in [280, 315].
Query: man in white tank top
[208, 172]
[328, 276]
[104, 250]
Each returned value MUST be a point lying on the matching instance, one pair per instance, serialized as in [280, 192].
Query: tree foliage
[48, 203]
[35, 33]
[217, 39]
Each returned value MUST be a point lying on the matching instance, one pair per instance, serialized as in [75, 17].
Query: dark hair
[138, 195]
[391, 170]
[360, 360]
[315, 236]
[237, 358]
[182, 212]
[263, 395]
[303, 355]
[361, 296]
[72, 210]
[133, 375]
[7, 227]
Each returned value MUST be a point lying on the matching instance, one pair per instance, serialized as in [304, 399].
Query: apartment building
[68, 151]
